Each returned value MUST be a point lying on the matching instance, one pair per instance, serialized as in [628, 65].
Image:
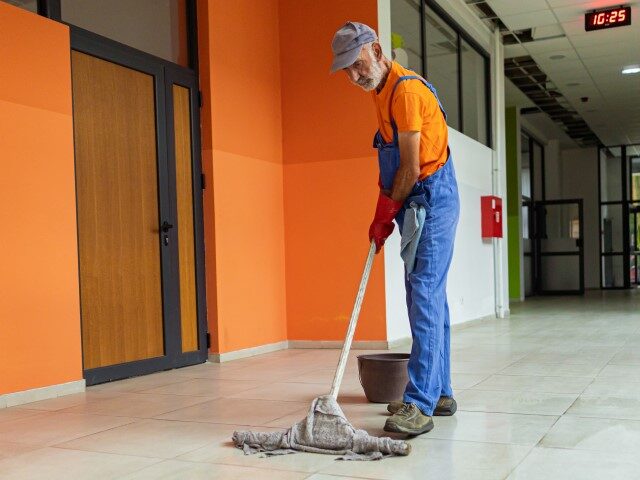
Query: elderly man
[418, 189]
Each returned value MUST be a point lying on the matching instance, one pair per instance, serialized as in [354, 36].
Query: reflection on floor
[553, 392]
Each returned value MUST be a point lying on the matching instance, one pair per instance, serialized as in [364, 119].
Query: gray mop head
[324, 430]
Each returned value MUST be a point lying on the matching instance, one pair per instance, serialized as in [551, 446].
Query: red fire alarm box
[491, 210]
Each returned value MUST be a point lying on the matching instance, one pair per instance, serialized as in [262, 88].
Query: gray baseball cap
[347, 43]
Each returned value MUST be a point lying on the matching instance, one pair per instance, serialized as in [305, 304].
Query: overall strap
[426, 84]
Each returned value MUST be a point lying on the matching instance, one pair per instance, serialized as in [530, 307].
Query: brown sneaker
[410, 420]
[445, 407]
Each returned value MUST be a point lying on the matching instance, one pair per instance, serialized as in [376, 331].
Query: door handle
[166, 226]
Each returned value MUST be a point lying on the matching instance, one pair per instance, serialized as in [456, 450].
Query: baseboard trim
[248, 352]
[337, 344]
[43, 393]
[333, 344]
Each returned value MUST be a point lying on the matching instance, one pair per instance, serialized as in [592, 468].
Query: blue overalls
[429, 365]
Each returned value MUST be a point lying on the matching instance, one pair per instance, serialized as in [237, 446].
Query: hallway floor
[551, 393]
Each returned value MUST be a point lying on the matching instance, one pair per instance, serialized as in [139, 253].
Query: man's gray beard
[374, 80]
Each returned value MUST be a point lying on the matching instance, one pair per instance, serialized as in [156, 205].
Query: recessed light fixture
[556, 57]
[631, 69]
[573, 84]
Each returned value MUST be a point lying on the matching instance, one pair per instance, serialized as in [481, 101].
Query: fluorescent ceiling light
[631, 69]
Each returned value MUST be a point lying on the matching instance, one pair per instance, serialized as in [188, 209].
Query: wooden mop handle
[337, 379]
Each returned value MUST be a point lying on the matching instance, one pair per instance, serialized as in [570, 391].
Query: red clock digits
[622, 15]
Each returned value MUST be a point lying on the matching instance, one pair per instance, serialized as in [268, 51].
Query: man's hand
[382, 225]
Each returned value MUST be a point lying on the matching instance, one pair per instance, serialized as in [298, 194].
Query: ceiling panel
[508, 7]
[530, 19]
[550, 45]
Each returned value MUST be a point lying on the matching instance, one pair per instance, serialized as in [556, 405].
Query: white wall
[470, 286]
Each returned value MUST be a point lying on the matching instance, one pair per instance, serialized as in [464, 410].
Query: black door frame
[164, 73]
[626, 203]
[539, 290]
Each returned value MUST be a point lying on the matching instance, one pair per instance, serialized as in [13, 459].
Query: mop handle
[337, 379]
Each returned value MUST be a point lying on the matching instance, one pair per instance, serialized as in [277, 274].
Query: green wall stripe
[513, 200]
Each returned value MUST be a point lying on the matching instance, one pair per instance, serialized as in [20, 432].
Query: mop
[326, 429]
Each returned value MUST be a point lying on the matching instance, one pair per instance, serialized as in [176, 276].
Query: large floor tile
[207, 387]
[630, 373]
[598, 434]
[68, 401]
[439, 459]
[223, 452]
[286, 392]
[170, 438]
[515, 402]
[551, 370]
[59, 464]
[178, 470]
[52, 428]
[9, 449]
[235, 411]
[606, 407]
[533, 383]
[137, 405]
[16, 413]
[613, 386]
[462, 381]
[492, 427]
[552, 463]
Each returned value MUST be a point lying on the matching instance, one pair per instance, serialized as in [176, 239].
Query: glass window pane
[560, 273]
[537, 172]
[31, 5]
[474, 93]
[406, 39]
[611, 228]
[613, 271]
[611, 174]
[442, 64]
[525, 166]
[633, 152]
[158, 27]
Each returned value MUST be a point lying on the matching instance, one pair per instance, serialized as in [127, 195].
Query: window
[406, 34]
[153, 26]
[425, 39]
[31, 5]
[442, 65]
[474, 88]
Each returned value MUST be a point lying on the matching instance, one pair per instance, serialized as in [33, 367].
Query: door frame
[162, 70]
[539, 253]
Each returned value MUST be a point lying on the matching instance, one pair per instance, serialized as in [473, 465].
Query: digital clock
[609, 18]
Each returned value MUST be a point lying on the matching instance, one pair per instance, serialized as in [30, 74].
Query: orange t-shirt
[415, 108]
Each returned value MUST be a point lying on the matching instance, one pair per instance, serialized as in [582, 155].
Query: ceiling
[592, 60]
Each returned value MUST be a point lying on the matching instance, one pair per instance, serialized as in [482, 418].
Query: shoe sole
[395, 428]
[436, 413]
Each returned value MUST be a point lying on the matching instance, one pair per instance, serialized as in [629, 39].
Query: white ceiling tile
[508, 7]
[529, 19]
[546, 56]
[548, 45]
[562, 3]
[511, 51]
[547, 31]
[552, 66]
[620, 35]
[573, 28]
[573, 12]
[608, 49]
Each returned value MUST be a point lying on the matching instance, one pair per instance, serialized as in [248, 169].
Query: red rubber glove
[382, 225]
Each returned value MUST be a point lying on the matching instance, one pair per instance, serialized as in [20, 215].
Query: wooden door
[118, 212]
[140, 226]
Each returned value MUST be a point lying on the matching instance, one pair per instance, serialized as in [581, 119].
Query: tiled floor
[551, 393]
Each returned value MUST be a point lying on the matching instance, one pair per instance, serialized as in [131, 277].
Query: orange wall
[242, 158]
[39, 300]
[330, 177]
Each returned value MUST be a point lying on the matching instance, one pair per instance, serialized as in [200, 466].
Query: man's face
[366, 71]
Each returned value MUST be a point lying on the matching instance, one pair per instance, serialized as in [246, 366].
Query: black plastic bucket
[383, 376]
